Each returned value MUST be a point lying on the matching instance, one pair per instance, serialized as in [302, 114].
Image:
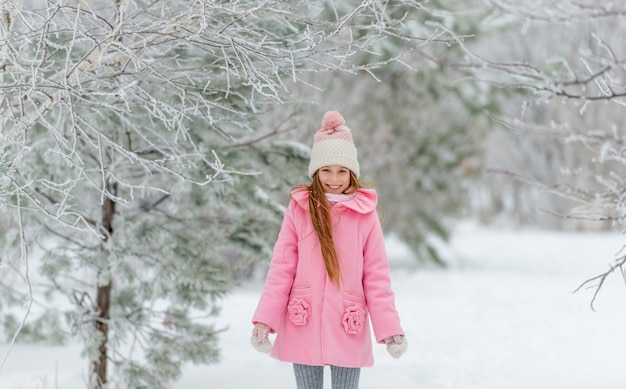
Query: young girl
[329, 272]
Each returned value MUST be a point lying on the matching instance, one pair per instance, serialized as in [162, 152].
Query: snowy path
[503, 317]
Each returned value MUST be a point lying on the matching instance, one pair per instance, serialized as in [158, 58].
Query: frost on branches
[569, 126]
[130, 130]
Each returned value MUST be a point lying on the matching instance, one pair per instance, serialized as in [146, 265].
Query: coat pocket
[355, 316]
[299, 309]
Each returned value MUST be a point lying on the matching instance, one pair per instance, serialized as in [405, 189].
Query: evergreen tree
[419, 123]
[132, 130]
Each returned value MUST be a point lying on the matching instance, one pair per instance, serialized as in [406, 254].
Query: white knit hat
[333, 145]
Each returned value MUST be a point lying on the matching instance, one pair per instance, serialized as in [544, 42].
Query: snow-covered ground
[503, 316]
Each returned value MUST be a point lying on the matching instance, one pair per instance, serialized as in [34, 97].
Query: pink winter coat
[316, 322]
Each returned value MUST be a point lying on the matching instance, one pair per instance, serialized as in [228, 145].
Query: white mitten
[261, 345]
[396, 345]
[260, 338]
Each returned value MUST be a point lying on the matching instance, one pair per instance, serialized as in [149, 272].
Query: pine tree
[418, 123]
[132, 128]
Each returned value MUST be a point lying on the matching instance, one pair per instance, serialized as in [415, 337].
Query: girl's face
[334, 178]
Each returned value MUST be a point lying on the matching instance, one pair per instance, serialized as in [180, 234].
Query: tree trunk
[100, 365]
[103, 301]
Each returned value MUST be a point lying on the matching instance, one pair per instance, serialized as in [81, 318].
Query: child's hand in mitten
[396, 345]
[260, 338]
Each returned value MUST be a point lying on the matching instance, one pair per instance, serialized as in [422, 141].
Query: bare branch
[24, 259]
[597, 282]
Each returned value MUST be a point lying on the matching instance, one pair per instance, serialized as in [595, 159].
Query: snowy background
[112, 127]
[502, 316]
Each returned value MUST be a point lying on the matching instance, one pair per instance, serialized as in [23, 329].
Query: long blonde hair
[319, 209]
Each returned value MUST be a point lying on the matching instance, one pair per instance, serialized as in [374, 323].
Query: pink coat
[316, 322]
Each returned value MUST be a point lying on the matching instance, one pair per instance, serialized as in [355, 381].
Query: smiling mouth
[334, 187]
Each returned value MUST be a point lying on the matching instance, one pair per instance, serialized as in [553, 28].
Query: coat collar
[364, 202]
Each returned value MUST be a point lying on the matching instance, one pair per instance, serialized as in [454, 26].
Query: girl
[329, 272]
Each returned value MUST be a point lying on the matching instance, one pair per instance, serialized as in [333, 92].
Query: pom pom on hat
[333, 145]
[332, 120]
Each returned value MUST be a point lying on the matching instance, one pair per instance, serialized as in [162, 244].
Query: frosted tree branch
[574, 72]
[597, 282]
[128, 124]
[26, 276]
[559, 11]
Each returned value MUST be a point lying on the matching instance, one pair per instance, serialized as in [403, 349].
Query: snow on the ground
[504, 315]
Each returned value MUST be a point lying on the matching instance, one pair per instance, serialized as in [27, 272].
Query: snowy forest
[148, 148]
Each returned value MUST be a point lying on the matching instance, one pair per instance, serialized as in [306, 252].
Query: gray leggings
[312, 377]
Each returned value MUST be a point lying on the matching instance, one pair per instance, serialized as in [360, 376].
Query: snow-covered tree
[418, 125]
[567, 133]
[131, 131]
